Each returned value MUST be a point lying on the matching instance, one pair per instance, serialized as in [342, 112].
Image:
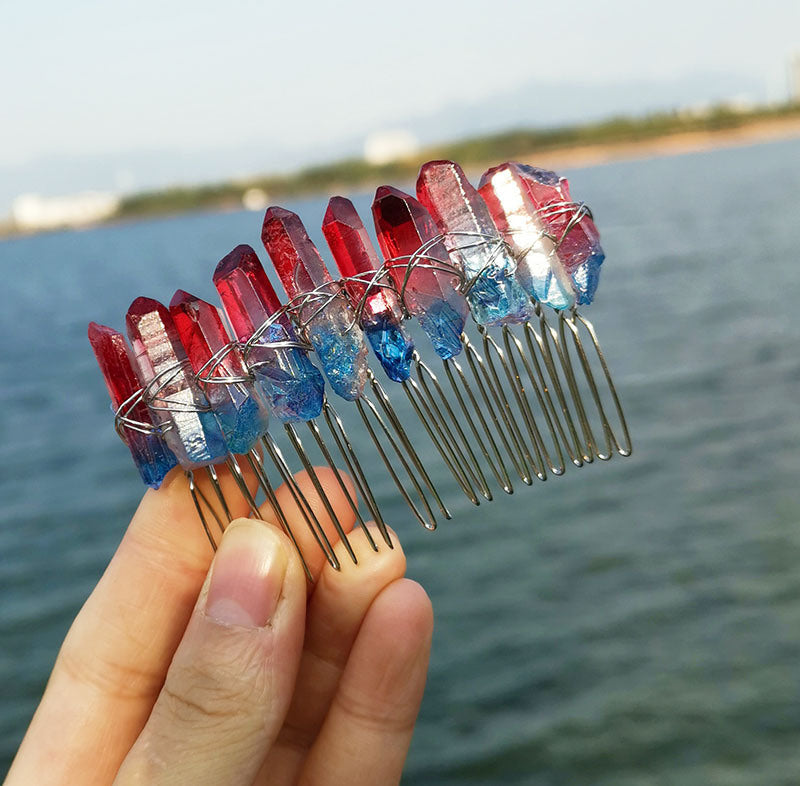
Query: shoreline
[674, 144]
[570, 156]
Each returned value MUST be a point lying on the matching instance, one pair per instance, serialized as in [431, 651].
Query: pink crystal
[190, 429]
[551, 196]
[356, 256]
[404, 227]
[152, 457]
[296, 259]
[246, 292]
[284, 375]
[242, 415]
[382, 314]
[474, 244]
[328, 318]
[540, 269]
[575, 232]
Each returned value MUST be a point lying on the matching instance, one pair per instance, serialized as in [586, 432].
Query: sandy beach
[670, 145]
[751, 132]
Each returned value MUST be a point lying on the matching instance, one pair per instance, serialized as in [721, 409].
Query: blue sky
[96, 94]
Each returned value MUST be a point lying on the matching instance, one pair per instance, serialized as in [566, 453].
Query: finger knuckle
[214, 692]
[368, 712]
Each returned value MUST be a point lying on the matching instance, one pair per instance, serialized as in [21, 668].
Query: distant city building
[794, 78]
[255, 199]
[383, 147]
[31, 212]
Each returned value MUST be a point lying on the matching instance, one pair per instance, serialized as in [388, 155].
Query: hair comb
[529, 394]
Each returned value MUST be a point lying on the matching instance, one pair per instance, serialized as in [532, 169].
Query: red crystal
[114, 359]
[551, 196]
[155, 339]
[246, 292]
[403, 226]
[296, 259]
[356, 256]
[193, 434]
[203, 334]
[152, 457]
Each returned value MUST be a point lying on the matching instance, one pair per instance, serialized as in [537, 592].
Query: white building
[384, 147]
[794, 78]
[31, 212]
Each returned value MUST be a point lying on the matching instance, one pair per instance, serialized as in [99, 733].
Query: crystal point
[247, 294]
[381, 313]
[576, 234]
[284, 375]
[540, 269]
[327, 316]
[404, 227]
[190, 429]
[152, 457]
[474, 244]
[296, 259]
[241, 414]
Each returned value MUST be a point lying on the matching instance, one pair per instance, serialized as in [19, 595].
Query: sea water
[633, 622]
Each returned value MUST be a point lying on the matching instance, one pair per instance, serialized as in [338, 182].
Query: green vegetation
[477, 152]
[354, 173]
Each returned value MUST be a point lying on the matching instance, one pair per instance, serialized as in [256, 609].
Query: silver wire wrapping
[530, 379]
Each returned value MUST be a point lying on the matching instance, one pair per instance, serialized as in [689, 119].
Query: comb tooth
[214, 480]
[312, 474]
[303, 505]
[331, 325]
[278, 360]
[367, 409]
[543, 342]
[264, 483]
[418, 263]
[345, 446]
[569, 326]
[380, 315]
[557, 246]
[472, 411]
[429, 383]
[434, 431]
[200, 502]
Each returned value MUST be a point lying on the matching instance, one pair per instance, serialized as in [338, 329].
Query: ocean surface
[633, 622]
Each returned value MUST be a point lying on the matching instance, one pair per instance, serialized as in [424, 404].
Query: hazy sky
[89, 78]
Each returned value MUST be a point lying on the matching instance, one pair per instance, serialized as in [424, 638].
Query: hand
[244, 673]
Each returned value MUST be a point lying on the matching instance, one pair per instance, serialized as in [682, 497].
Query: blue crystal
[206, 443]
[290, 382]
[341, 355]
[152, 457]
[586, 277]
[242, 422]
[392, 346]
[444, 326]
[497, 298]
[547, 289]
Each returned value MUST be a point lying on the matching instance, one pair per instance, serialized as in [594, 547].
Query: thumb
[230, 683]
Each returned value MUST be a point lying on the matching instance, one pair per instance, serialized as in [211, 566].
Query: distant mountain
[538, 104]
[535, 104]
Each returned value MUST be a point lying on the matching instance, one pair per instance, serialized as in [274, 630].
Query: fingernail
[246, 576]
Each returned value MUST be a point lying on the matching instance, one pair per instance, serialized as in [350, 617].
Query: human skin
[180, 670]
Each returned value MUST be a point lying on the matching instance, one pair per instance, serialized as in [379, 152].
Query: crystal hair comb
[525, 399]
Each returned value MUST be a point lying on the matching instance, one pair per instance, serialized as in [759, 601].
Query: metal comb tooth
[443, 415]
[569, 326]
[379, 312]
